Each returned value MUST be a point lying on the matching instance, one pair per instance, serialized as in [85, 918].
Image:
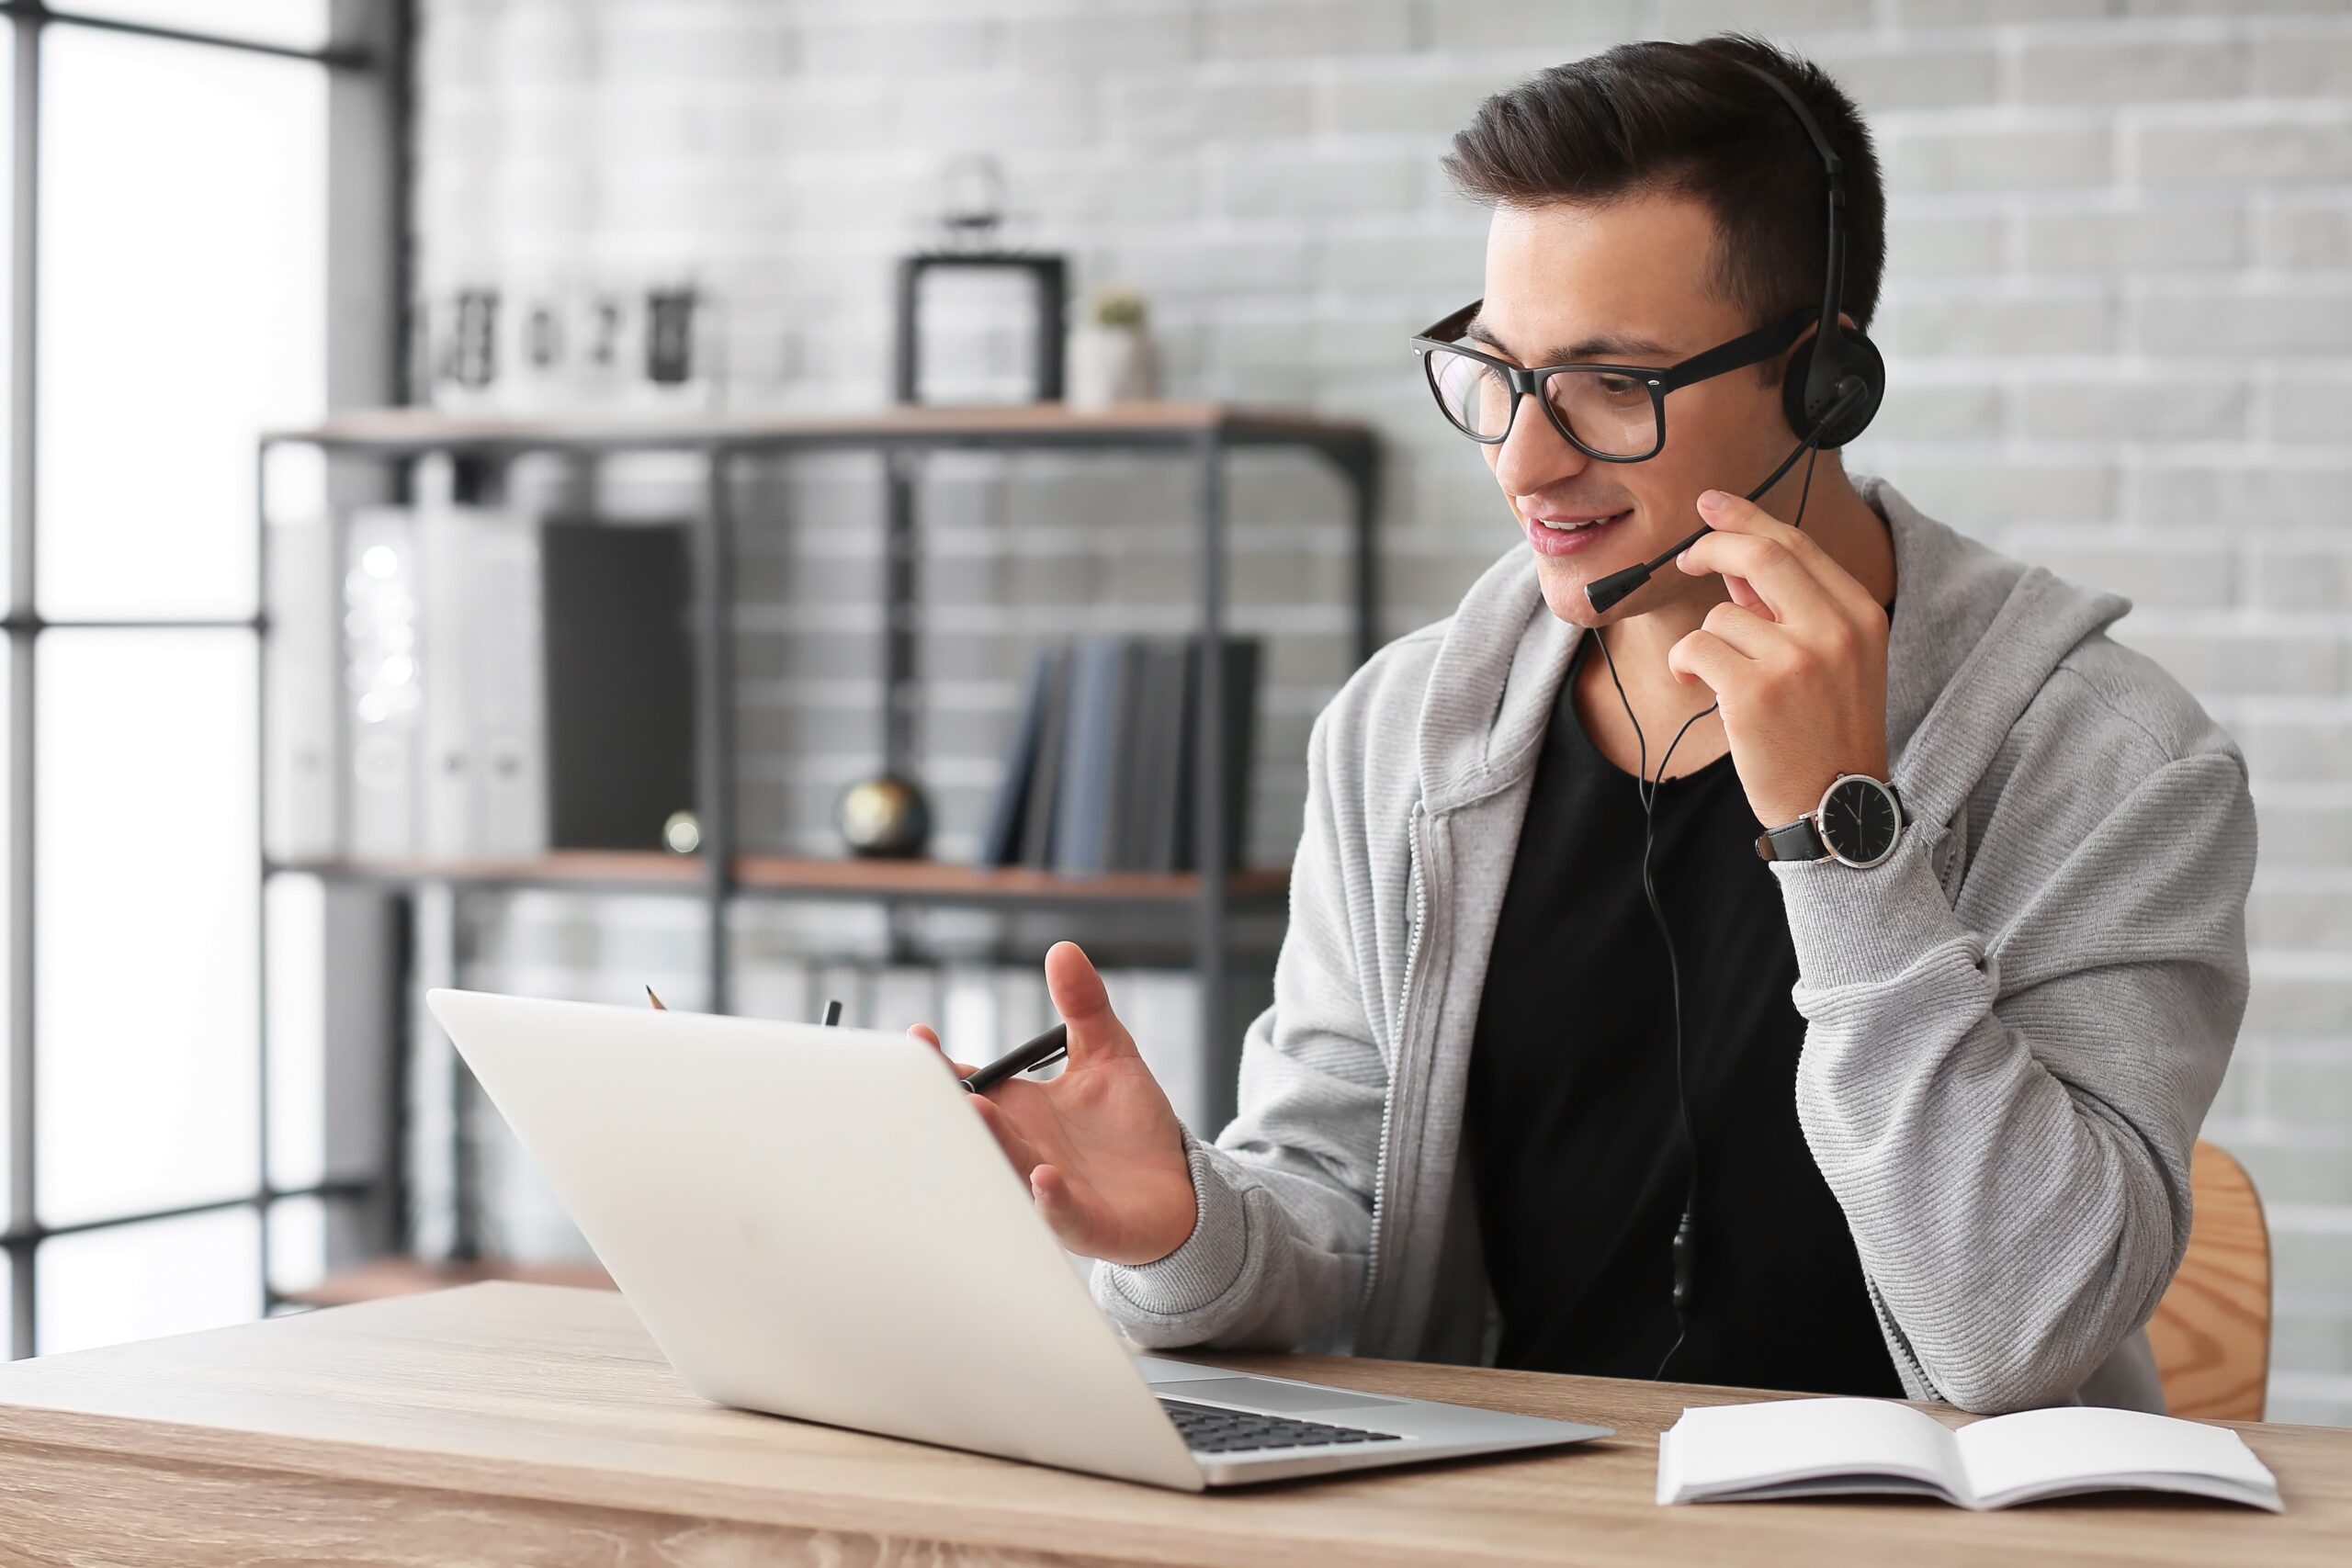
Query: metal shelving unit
[1201, 434]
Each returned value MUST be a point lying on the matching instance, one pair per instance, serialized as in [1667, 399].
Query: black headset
[1835, 380]
[1834, 383]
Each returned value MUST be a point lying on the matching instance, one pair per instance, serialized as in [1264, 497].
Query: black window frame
[366, 59]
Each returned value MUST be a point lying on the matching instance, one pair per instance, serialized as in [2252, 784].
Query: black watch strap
[1795, 841]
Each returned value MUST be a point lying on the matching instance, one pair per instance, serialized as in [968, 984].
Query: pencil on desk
[650, 997]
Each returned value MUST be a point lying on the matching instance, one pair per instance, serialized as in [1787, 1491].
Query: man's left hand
[1797, 658]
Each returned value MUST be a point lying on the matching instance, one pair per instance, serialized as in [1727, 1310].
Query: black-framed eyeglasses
[1613, 412]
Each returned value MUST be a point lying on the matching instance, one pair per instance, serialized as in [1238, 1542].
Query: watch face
[1858, 822]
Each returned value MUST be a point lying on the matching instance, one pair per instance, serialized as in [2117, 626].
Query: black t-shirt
[1572, 1129]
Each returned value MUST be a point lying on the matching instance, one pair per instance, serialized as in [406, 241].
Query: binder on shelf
[450, 673]
[618, 675]
[510, 729]
[970, 1019]
[513, 686]
[381, 585]
[1024, 1011]
[843, 981]
[303, 667]
[768, 987]
[903, 993]
[443, 652]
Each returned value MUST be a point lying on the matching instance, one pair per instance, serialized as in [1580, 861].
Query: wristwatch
[1858, 823]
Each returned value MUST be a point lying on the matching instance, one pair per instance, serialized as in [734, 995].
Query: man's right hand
[1098, 1143]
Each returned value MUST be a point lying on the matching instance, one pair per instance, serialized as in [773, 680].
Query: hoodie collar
[1973, 636]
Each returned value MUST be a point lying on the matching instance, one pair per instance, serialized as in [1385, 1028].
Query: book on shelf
[1001, 839]
[1240, 666]
[1100, 772]
[1097, 757]
[1156, 799]
[1043, 763]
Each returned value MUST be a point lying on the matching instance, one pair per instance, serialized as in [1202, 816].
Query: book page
[1740, 1449]
[2040, 1453]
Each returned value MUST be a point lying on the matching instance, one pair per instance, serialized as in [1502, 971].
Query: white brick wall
[2119, 317]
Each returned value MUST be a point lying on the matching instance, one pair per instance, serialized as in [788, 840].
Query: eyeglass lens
[1609, 412]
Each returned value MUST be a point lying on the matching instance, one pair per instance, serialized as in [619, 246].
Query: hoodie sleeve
[2006, 1117]
[1276, 1257]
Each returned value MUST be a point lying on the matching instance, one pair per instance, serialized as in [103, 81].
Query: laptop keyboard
[1209, 1429]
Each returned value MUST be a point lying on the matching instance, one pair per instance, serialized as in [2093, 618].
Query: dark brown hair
[1644, 117]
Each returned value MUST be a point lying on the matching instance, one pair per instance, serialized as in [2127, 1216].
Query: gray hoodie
[2014, 1026]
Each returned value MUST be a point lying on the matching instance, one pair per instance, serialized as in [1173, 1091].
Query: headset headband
[1826, 362]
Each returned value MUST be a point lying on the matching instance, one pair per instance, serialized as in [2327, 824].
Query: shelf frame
[925, 883]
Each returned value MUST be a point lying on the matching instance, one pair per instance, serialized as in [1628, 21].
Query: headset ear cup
[1858, 355]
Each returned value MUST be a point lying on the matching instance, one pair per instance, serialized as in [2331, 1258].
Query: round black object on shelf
[885, 818]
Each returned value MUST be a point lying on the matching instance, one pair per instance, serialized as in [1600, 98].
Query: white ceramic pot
[1108, 365]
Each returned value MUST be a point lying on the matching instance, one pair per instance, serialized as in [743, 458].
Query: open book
[1813, 1448]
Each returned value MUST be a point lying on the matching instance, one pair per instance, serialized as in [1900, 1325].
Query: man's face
[1624, 283]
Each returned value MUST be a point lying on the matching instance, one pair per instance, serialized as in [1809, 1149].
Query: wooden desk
[527, 1423]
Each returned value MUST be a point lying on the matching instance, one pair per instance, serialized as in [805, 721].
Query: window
[165, 165]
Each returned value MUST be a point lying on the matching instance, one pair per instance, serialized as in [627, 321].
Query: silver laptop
[812, 1223]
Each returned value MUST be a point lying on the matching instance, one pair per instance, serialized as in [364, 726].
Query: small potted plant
[1110, 353]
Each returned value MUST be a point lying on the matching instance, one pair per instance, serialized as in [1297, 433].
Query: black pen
[1045, 1049]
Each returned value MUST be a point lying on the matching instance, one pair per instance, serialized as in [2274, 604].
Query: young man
[1939, 1106]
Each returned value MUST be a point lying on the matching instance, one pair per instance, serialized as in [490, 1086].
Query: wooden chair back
[2211, 1331]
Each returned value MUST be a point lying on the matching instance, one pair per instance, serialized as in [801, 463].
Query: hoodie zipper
[1900, 1340]
[1388, 1101]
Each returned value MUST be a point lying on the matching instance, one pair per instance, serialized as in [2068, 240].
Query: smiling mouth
[1569, 536]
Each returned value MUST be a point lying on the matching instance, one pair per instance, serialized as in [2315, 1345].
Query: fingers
[1771, 568]
[1707, 658]
[1049, 1190]
[1734, 516]
[1095, 1032]
[1018, 1150]
[930, 1037]
[1748, 633]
